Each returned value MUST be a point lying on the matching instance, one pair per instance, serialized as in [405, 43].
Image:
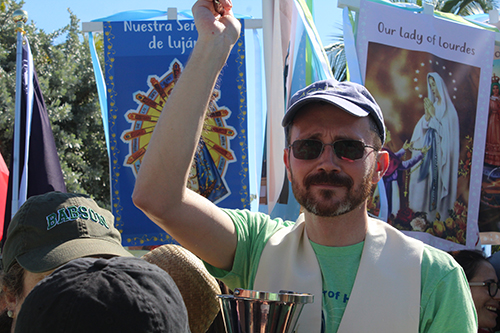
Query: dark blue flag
[39, 167]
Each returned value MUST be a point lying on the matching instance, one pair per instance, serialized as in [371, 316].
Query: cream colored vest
[386, 293]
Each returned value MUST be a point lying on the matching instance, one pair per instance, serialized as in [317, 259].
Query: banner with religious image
[489, 209]
[431, 77]
[143, 61]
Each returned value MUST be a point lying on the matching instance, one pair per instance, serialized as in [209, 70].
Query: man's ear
[382, 165]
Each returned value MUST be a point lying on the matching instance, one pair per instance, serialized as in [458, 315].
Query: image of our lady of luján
[489, 208]
[214, 151]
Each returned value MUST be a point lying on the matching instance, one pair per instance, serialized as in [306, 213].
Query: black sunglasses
[309, 149]
[492, 286]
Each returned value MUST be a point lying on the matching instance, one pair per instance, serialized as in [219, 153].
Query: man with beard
[366, 276]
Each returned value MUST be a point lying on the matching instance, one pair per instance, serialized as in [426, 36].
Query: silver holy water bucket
[251, 311]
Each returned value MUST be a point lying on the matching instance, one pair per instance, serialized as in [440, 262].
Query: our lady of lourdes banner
[143, 60]
[431, 77]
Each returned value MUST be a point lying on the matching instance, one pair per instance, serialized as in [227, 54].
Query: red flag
[4, 183]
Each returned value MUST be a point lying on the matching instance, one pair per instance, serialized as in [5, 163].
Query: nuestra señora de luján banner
[143, 60]
[431, 77]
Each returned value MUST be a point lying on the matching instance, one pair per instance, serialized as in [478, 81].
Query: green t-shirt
[446, 302]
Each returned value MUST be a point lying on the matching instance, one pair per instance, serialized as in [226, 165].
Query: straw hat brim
[198, 288]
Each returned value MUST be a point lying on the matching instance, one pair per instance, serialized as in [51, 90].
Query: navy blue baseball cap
[348, 96]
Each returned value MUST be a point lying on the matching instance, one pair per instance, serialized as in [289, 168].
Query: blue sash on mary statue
[430, 163]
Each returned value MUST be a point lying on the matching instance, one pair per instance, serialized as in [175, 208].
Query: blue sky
[50, 15]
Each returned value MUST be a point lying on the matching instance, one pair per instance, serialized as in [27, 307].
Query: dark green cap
[53, 228]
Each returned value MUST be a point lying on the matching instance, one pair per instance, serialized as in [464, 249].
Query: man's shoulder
[438, 265]
[436, 257]
[444, 290]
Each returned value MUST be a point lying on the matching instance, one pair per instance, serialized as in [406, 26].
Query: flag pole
[20, 17]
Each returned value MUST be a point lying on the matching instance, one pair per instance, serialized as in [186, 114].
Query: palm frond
[336, 56]
[466, 7]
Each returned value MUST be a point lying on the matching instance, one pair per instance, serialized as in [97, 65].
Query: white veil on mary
[433, 186]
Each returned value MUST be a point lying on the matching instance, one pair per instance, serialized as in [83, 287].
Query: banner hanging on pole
[430, 77]
[489, 208]
[143, 60]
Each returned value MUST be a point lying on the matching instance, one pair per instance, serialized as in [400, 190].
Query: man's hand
[220, 30]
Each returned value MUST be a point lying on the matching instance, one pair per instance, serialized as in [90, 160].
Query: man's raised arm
[160, 189]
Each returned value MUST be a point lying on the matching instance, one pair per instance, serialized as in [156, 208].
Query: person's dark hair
[469, 260]
[5, 322]
[12, 283]
[377, 143]
[13, 279]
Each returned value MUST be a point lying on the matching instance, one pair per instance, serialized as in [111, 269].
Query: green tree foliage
[67, 80]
